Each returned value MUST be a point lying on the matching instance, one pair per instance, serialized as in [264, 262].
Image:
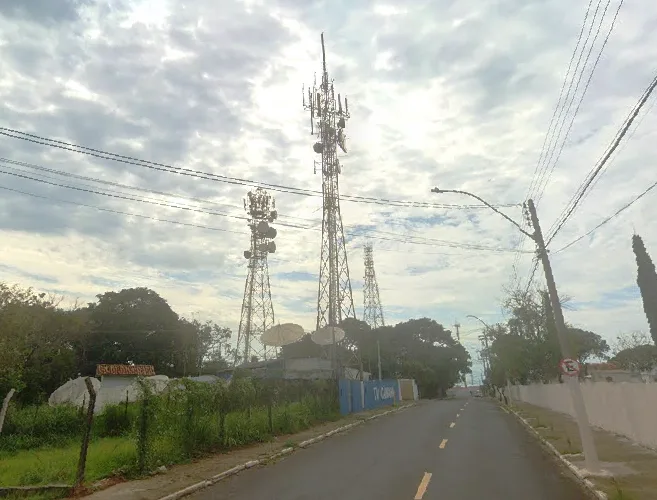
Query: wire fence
[130, 439]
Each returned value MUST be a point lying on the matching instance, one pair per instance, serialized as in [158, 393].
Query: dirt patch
[633, 467]
[181, 476]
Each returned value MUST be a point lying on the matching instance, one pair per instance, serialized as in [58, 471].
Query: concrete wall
[625, 408]
[116, 382]
[357, 396]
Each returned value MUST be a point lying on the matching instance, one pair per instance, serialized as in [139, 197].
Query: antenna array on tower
[257, 309]
[328, 119]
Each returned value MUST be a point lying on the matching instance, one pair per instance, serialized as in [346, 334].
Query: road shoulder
[185, 476]
[631, 468]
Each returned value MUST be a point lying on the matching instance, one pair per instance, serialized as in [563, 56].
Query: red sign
[569, 367]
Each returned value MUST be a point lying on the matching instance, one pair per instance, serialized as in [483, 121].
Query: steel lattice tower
[257, 308]
[327, 121]
[373, 313]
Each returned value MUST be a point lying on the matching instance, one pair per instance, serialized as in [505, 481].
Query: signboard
[569, 367]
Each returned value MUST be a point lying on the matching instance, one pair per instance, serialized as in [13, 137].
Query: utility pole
[458, 334]
[588, 444]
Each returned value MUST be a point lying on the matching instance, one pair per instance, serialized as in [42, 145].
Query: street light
[588, 444]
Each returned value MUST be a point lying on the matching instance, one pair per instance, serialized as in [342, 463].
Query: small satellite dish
[341, 123]
[271, 247]
[263, 227]
[274, 215]
[324, 336]
[280, 335]
[247, 254]
[271, 234]
[318, 147]
[263, 247]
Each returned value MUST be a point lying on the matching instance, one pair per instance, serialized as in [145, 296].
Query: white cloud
[444, 94]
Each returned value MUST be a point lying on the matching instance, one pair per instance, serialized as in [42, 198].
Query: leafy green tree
[640, 358]
[647, 281]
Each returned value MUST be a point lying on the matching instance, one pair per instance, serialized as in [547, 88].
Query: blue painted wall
[376, 394]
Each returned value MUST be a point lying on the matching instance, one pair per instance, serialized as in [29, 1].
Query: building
[116, 376]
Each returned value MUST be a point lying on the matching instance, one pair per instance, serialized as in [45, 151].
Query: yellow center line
[443, 443]
[452, 425]
[421, 490]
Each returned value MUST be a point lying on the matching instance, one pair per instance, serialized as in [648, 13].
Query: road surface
[459, 449]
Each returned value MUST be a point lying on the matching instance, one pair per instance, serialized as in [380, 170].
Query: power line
[605, 158]
[581, 99]
[32, 166]
[130, 160]
[614, 215]
[365, 233]
[119, 212]
[559, 108]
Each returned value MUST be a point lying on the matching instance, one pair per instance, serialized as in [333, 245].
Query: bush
[187, 420]
[32, 426]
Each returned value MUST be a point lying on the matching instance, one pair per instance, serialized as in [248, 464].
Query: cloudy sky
[443, 93]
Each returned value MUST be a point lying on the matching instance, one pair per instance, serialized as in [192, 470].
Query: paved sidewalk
[633, 467]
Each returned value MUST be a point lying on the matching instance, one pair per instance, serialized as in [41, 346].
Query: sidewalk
[632, 468]
[182, 476]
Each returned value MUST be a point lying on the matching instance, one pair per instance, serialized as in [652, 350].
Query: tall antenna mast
[373, 313]
[257, 308]
[327, 122]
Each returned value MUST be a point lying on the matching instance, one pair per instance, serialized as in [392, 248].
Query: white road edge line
[443, 443]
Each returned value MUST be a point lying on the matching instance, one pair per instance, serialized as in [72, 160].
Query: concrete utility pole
[588, 444]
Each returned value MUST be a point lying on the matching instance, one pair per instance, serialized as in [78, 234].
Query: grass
[562, 432]
[113, 456]
[42, 466]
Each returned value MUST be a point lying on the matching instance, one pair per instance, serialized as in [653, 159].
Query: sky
[458, 95]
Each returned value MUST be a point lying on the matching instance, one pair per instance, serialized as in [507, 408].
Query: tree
[630, 340]
[587, 345]
[647, 281]
[37, 343]
[640, 358]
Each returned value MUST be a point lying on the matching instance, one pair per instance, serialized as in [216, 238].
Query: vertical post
[586, 435]
[86, 435]
[5, 405]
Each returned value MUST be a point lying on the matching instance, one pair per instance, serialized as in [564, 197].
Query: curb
[587, 484]
[286, 451]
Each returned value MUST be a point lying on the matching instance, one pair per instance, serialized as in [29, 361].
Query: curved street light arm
[526, 233]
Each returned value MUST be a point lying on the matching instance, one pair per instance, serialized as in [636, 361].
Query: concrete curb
[286, 451]
[587, 484]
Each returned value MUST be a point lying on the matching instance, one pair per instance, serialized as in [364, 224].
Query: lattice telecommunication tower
[257, 309]
[373, 313]
[327, 122]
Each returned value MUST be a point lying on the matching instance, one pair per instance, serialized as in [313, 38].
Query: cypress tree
[647, 281]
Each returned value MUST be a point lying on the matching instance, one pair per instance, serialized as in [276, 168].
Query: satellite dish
[271, 247]
[263, 247]
[324, 336]
[274, 215]
[341, 123]
[247, 254]
[271, 233]
[318, 147]
[263, 227]
[280, 335]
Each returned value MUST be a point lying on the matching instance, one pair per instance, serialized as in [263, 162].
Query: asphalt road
[460, 449]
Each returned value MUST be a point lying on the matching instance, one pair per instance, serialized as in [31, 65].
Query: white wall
[625, 408]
